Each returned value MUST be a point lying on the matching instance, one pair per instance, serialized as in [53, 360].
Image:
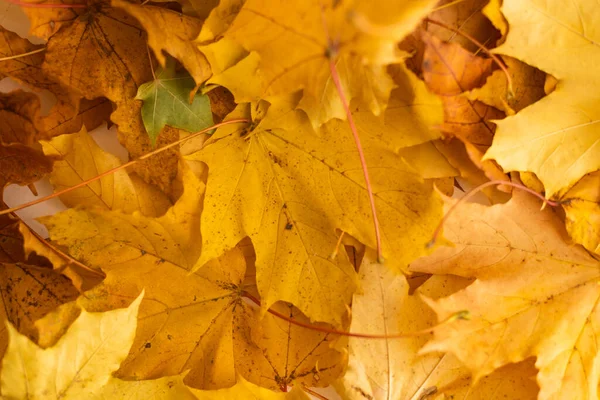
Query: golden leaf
[310, 34]
[289, 188]
[539, 139]
[535, 295]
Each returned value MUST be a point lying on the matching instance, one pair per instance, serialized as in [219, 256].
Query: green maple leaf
[167, 102]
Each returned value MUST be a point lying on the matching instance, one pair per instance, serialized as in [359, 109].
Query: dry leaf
[535, 295]
[268, 191]
[540, 138]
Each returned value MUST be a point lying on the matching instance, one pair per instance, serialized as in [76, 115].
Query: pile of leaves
[295, 244]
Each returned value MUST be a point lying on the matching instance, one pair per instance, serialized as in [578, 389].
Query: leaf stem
[338, 85]
[29, 53]
[478, 189]
[482, 47]
[123, 166]
[37, 5]
[453, 317]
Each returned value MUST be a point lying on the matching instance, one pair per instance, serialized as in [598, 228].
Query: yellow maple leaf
[393, 368]
[361, 42]
[535, 295]
[288, 188]
[117, 191]
[559, 147]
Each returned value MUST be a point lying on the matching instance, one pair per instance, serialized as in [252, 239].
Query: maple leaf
[167, 102]
[97, 54]
[268, 191]
[311, 34]
[393, 368]
[559, 147]
[118, 191]
[535, 295]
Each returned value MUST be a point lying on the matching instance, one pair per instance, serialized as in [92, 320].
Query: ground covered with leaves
[288, 217]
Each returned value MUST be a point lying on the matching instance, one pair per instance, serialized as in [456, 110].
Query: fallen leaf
[117, 191]
[29, 289]
[392, 368]
[449, 70]
[456, 154]
[100, 54]
[167, 102]
[27, 293]
[171, 32]
[268, 191]
[539, 139]
[535, 295]
[305, 31]
[45, 22]
[159, 170]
